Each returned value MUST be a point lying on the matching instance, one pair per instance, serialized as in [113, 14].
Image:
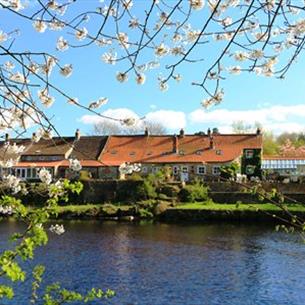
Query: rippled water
[159, 264]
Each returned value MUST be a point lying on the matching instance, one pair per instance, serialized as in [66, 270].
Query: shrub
[194, 192]
[169, 190]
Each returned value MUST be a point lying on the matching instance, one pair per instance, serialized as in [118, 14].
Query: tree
[243, 127]
[245, 36]
[107, 127]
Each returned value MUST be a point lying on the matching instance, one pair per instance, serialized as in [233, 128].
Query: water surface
[158, 264]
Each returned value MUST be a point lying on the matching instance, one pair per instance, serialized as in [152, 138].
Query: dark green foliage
[194, 192]
[230, 171]
[132, 191]
[255, 161]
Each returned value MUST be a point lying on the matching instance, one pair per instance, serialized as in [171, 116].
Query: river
[162, 264]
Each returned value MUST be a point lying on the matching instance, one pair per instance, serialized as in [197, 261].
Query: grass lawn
[241, 207]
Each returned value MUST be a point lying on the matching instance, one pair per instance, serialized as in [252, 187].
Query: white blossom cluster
[6, 210]
[45, 176]
[75, 165]
[13, 183]
[57, 229]
[129, 168]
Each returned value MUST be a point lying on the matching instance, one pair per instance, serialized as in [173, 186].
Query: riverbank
[192, 212]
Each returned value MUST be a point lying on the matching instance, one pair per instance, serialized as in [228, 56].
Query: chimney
[176, 144]
[209, 132]
[258, 131]
[212, 144]
[181, 135]
[146, 132]
[7, 137]
[77, 134]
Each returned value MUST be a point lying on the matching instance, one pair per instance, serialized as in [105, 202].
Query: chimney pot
[209, 132]
[7, 137]
[77, 134]
[146, 132]
[258, 131]
[181, 133]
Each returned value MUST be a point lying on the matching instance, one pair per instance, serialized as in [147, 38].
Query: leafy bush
[169, 190]
[194, 192]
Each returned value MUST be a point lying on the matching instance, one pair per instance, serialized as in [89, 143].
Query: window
[144, 169]
[219, 152]
[216, 170]
[199, 152]
[175, 170]
[200, 170]
[155, 169]
[249, 153]
[184, 169]
[250, 169]
[28, 173]
[181, 152]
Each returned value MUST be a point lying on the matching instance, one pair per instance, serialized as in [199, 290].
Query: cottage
[53, 154]
[187, 156]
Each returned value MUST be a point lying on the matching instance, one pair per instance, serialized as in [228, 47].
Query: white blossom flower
[226, 21]
[9, 65]
[177, 77]
[15, 5]
[122, 77]
[234, 70]
[53, 5]
[257, 54]
[62, 44]
[13, 148]
[45, 176]
[140, 79]
[48, 67]
[197, 4]
[19, 78]
[109, 58]
[192, 35]
[123, 40]
[177, 51]
[56, 25]
[133, 23]
[241, 56]
[74, 165]
[57, 229]
[66, 70]
[129, 122]
[45, 98]
[6, 210]
[102, 42]
[81, 34]
[127, 4]
[100, 102]
[33, 67]
[163, 86]
[40, 26]
[161, 50]
[13, 183]
[3, 36]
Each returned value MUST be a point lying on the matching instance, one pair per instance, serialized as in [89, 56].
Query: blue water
[159, 264]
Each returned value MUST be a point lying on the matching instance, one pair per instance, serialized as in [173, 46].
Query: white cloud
[276, 118]
[172, 120]
[169, 118]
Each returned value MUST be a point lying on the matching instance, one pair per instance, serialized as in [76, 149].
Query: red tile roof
[190, 148]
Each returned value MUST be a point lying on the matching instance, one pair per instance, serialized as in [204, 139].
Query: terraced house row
[187, 155]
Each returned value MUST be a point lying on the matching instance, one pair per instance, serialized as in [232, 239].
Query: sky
[279, 105]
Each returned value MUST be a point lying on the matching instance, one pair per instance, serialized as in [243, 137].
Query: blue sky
[278, 104]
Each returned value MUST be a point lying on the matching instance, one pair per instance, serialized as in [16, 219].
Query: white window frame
[199, 168]
[249, 153]
[144, 169]
[216, 170]
[184, 169]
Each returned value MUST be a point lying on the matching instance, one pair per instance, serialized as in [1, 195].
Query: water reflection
[176, 264]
